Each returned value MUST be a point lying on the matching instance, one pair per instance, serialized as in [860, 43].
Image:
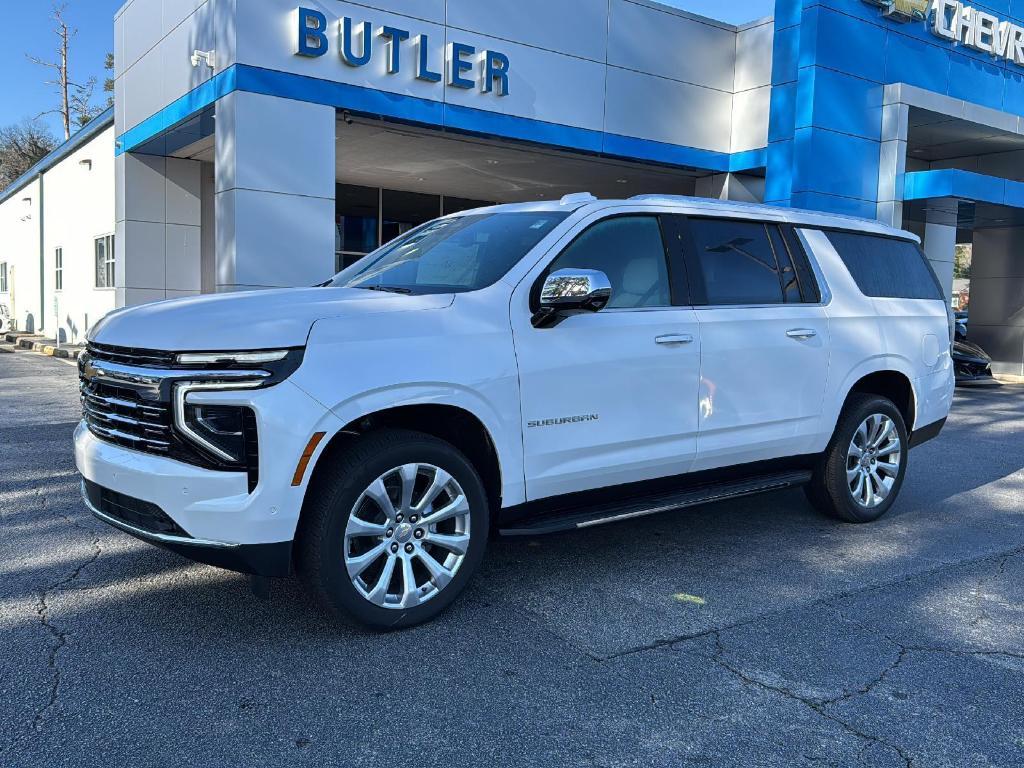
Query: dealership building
[267, 143]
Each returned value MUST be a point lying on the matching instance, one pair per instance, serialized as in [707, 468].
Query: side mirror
[569, 291]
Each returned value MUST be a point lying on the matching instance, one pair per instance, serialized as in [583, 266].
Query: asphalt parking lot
[748, 633]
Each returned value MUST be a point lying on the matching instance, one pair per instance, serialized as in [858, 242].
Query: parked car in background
[518, 369]
[960, 319]
[971, 363]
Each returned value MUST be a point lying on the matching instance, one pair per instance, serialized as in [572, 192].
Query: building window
[3, 277]
[368, 217]
[105, 261]
[402, 211]
[58, 260]
[357, 223]
[459, 204]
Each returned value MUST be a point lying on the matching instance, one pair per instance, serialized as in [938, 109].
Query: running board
[571, 519]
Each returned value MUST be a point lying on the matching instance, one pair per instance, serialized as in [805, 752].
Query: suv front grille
[144, 358]
[119, 415]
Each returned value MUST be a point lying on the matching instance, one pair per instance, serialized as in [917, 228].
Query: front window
[105, 262]
[454, 255]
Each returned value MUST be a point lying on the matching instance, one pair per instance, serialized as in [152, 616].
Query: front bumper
[258, 559]
[215, 518]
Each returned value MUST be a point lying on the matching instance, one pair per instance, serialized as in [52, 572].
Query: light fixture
[228, 358]
[86, 164]
[621, 181]
[198, 57]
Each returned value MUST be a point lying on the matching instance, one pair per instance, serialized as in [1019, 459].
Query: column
[157, 244]
[997, 297]
[892, 166]
[940, 247]
[274, 193]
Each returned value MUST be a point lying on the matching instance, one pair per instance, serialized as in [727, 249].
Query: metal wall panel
[670, 45]
[574, 27]
[750, 119]
[754, 57]
[668, 111]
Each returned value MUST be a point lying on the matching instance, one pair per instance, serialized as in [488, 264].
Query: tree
[74, 99]
[108, 82]
[962, 256]
[21, 147]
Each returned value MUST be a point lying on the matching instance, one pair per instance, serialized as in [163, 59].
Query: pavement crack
[827, 600]
[58, 635]
[817, 707]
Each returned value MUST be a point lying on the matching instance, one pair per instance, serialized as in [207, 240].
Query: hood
[249, 320]
[968, 351]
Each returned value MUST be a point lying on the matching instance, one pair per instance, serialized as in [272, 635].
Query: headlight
[273, 365]
[221, 427]
[225, 431]
[232, 358]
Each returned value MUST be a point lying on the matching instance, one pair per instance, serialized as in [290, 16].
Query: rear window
[885, 267]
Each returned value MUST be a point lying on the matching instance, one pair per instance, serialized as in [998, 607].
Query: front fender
[457, 359]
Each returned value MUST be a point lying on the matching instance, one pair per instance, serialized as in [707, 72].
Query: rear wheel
[861, 472]
[393, 529]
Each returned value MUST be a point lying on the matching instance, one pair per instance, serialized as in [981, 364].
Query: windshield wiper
[385, 288]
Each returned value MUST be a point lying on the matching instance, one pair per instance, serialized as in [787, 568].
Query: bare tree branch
[21, 147]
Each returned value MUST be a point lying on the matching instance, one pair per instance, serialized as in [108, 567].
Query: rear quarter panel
[870, 335]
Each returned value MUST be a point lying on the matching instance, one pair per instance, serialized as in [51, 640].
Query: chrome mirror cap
[572, 290]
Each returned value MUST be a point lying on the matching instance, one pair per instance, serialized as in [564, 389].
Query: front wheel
[861, 472]
[393, 529]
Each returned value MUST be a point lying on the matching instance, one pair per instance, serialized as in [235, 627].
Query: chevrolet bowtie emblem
[903, 10]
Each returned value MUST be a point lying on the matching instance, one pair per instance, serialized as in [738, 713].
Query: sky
[27, 30]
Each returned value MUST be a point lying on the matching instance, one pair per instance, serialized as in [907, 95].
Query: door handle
[674, 338]
[801, 333]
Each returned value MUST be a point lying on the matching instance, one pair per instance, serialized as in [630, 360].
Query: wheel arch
[454, 424]
[892, 384]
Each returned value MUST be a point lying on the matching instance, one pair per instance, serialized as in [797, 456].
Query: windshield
[454, 255]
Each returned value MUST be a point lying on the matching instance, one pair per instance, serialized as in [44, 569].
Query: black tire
[337, 487]
[828, 490]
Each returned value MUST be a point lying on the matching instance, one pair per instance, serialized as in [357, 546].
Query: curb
[30, 342]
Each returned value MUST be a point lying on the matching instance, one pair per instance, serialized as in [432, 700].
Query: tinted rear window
[885, 267]
[737, 262]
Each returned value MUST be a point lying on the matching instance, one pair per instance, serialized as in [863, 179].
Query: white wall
[79, 202]
[19, 247]
[78, 207]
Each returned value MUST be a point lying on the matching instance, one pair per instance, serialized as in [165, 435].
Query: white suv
[516, 370]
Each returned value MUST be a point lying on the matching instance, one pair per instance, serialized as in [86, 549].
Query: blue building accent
[155, 134]
[832, 60]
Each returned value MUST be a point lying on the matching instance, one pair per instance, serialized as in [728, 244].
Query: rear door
[764, 341]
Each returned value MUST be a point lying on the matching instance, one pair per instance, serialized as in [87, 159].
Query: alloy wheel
[873, 460]
[407, 536]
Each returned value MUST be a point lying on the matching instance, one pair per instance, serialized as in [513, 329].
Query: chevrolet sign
[961, 24]
[903, 10]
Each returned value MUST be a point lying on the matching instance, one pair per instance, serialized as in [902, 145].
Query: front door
[609, 397]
